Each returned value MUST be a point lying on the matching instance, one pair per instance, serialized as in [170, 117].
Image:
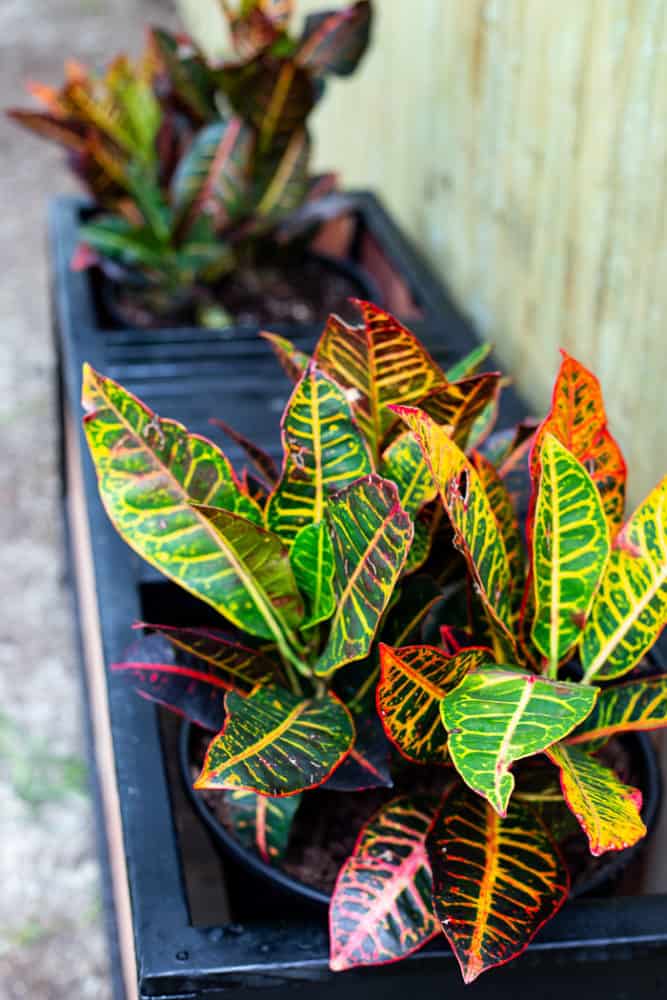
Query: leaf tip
[201, 781]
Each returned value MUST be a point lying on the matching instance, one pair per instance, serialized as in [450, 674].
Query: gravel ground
[51, 936]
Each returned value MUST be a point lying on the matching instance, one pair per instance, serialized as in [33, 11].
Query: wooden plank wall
[523, 143]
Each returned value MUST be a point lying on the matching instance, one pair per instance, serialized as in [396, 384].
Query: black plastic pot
[638, 744]
[186, 924]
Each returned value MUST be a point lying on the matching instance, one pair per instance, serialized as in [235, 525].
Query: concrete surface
[51, 937]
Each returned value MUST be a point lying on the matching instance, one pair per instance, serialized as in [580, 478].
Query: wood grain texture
[524, 146]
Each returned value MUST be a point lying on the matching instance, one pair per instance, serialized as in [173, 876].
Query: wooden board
[524, 146]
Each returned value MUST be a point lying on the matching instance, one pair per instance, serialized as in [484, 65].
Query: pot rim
[651, 791]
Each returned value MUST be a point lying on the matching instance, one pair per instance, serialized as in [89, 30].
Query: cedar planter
[188, 923]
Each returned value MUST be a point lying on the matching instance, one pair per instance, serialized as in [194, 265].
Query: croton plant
[201, 167]
[346, 655]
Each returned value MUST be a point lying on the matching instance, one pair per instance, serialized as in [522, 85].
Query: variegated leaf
[188, 670]
[334, 42]
[476, 529]
[262, 461]
[51, 126]
[274, 96]
[469, 364]
[608, 811]
[267, 744]
[212, 177]
[257, 573]
[377, 364]
[199, 468]
[261, 823]
[578, 420]
[293, 361]
[371, 536]
[166, 491]
[252, 31]
[508, 523]
[312, 560]
[498, 715]
[630, 608]
[324, 452]
[404, 464]
[381, 907]
[193, 690]
[459, 405]
[239, 667]
[570, 549]
[421, 545]
[187, 73]
[487, 418]
[285, 185]
[496, 881]
[636, 706]
[413, 682]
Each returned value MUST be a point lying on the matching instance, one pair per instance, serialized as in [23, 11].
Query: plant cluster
[332, 572]
[200, 167]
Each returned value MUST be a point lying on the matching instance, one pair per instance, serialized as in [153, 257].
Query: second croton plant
[385, 611]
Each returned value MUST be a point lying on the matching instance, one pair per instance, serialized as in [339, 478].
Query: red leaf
[381, 907]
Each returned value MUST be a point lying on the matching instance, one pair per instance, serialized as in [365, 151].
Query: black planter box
[185, 923]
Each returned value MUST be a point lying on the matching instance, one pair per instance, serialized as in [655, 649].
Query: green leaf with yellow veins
[267, 746]
[476, 530]
[420, 548]
[630, 607]
[499, 715]
[324, 452]
[570, 549]
[636, 706]
[505, 515]
[312, 560]
[253, 570]
[167, 493]
[371, 535]
[413, 682]
[404, 463]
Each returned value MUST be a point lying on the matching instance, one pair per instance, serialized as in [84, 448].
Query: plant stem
[320, 688]
[538, 797]
[294, 682]
[290, 658]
